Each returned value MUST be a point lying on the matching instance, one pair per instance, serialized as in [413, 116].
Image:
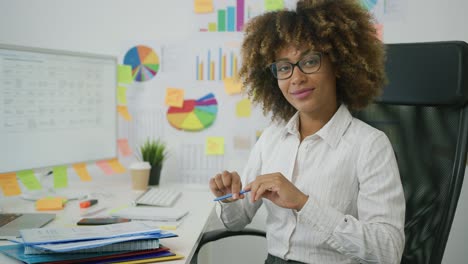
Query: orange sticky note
[50, 203]
[82, 172]
[116, 166]
[214, 146]
[124, 148]
[123, 112]
[203, 6]
[174, 97]
[232, 86]
[9, 184]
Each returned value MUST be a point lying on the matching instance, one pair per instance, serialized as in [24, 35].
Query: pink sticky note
[104, 165]
[124, 148]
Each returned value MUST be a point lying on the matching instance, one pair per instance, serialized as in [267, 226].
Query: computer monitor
[56, 108]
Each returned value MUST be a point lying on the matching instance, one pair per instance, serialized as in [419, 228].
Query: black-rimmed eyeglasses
[310, 63]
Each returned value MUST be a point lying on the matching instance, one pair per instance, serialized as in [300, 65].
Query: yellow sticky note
[272, 5]
[60, 176]
[82, 172]
[174, 97]
[232, 86]
[122, 95]
[203, 6]
[244, 108]
[214, 146]
[123, 112]
[9, 184]
[124, 74]
[116, 166]
[29, 180]
[50, 203]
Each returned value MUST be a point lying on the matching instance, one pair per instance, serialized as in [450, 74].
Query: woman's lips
[302, 93]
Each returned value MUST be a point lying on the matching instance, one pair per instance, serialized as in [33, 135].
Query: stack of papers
[131, 242]
[101, 238]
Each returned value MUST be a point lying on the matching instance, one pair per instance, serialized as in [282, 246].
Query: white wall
[102, 26]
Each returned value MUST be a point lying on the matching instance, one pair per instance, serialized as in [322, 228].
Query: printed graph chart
[194, 115]
[216, 65]
[144, 62]
[229, 19]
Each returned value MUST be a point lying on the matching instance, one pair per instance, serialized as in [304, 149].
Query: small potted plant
[154, 152]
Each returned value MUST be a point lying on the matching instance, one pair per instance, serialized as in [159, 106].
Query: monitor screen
[56, 108]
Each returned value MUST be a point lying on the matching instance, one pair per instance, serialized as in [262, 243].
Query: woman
[330, 182]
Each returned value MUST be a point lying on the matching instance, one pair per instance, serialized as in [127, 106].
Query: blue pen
[228, 196]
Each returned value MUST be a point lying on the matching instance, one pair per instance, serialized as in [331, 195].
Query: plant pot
[155, 175]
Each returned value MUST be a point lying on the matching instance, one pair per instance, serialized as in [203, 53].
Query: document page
[56, 235]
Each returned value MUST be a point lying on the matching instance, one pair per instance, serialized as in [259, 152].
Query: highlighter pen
[228, 196]
[88, 203]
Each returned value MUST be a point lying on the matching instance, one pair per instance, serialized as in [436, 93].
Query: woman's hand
[276, 188]
[225, 183]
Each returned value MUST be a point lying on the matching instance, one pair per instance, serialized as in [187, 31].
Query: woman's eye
[283, 68]
[310, 62]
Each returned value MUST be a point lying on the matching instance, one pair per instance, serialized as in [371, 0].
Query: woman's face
[311, 94]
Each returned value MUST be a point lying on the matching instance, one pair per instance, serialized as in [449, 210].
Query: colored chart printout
[194, 115]
[144, 62]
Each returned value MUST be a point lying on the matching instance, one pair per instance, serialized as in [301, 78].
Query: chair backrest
[423, 110]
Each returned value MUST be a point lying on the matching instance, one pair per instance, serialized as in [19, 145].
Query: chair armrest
[217, 234]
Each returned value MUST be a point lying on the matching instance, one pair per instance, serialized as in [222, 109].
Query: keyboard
[158, 197]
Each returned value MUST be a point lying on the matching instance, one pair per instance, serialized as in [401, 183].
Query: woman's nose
[297, 76]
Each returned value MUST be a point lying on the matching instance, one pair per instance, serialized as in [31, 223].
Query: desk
[117, 192]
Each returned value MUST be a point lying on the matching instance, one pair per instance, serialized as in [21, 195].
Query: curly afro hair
[341, 29]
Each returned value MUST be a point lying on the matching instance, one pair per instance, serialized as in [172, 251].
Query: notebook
[11, 224]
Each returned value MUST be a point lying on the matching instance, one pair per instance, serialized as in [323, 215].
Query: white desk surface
[117, 192]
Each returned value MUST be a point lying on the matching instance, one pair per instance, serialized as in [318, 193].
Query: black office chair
[424, 112]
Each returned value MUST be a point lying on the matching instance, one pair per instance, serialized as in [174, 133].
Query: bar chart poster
[216, 64]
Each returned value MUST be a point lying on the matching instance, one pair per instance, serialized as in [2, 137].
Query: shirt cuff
[323, 219]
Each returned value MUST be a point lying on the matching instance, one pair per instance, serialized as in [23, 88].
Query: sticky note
[29, 180]
[244, 108]
[116, 166]
[241, 142]
[82, 172]
[122, 95]
[50, 203]
[232, 86]
[174, 97]
[272, 5]
[214, 146]
[124, 74]
[105, 167]
[258, 133]
[60, 177]
[123, 112]
[9, 184]
[203, 6]
[124, 147]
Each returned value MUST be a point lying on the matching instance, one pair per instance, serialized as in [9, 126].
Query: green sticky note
[60, 177]
[122, 95]
[29, 180]
[272, 5]
[124, 74]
